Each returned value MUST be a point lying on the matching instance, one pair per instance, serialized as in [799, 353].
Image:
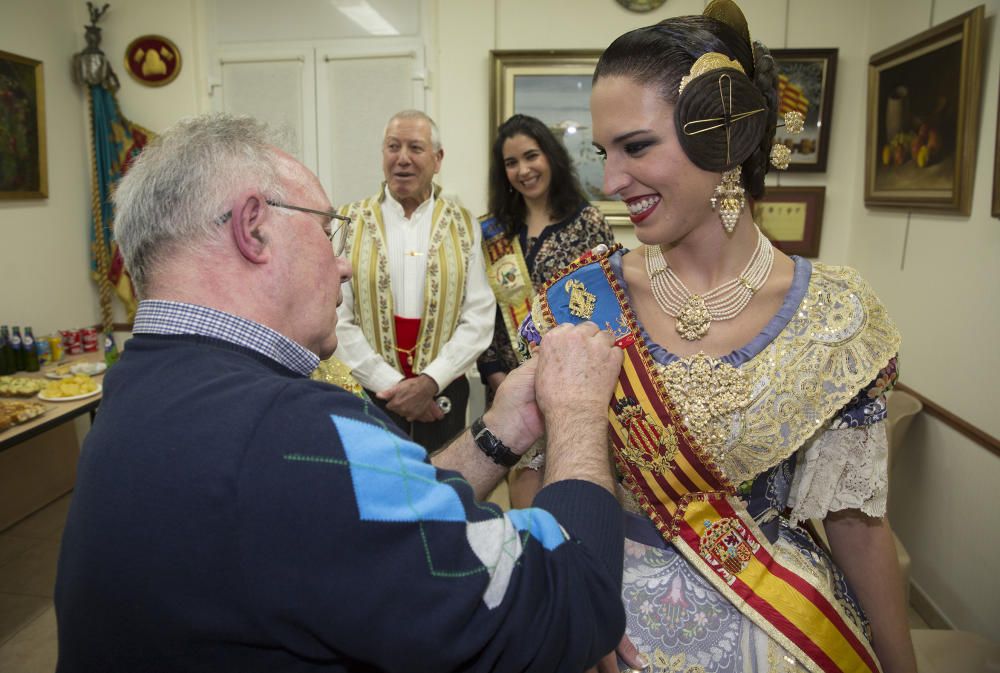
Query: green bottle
[30, 354]
[110, 349]
[15, 344]
[6, 352]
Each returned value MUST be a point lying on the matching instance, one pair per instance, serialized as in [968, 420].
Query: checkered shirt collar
[157, 316]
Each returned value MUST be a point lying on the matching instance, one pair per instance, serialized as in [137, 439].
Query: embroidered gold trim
[707, 392]
[707, 62]
[581, 302]
[754, 417]
[448, 253]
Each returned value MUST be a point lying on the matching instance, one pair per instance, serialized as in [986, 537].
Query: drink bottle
[6, 352]
[30, 354]
[15, 344]
[110, 349]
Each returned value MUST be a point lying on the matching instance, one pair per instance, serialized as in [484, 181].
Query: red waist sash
[407, 330]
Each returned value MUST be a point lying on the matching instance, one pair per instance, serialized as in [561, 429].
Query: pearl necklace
[695, 312]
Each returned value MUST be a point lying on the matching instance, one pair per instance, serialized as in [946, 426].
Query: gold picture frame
[23, 153]
[554, 86]
[923, 113]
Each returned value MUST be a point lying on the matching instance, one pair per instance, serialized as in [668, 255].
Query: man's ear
[246, 225]
[438, 156]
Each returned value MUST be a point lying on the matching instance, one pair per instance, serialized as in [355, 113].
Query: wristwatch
[491, 445]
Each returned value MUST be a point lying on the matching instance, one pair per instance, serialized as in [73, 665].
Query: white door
[357, 90]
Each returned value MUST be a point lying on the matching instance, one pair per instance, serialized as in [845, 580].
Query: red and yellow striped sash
[695, 508]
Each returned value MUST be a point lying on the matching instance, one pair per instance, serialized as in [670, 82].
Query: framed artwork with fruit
[923, 112]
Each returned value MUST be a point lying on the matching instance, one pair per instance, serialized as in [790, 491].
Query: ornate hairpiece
[781, 154]
[707, 62]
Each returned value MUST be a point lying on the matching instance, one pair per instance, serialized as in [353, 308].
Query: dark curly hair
[662, 54]
[506, 203]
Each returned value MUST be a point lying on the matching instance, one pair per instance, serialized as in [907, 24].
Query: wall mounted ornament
[641, 5]
[153, 60]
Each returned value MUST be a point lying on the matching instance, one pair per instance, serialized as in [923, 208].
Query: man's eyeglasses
[337, 236]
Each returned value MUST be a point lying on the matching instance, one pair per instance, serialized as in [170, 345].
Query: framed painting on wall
[807, 80]
[23, 170]
[923, 112]
[792, 217]
[554, 86]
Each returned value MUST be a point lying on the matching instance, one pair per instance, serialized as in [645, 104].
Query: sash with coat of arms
[508, 276]
[682, 489]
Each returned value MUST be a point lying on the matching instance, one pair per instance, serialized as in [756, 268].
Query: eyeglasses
[340, 233]
[338, 236]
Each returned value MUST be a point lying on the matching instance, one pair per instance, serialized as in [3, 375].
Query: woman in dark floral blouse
[539, 222]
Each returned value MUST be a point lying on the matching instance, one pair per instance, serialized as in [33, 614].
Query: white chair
[903, 408]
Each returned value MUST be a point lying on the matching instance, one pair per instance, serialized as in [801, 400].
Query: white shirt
[406, 250]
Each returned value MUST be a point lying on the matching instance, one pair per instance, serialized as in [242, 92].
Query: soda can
[88, 335]
[44, 351]
[56, 347]
[72, 343]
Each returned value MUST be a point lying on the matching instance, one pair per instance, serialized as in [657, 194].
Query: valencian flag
[116, 143]
[791, 98]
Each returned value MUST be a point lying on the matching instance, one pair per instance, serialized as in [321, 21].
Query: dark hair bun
[766, 81]
[712, 100]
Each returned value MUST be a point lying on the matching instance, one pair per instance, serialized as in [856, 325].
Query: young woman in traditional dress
[539, 222]
[752, 399]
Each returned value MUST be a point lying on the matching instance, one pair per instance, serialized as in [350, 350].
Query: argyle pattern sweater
[232, 515]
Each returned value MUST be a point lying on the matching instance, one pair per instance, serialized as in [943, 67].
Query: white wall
[44, 258]
[44, 261]
[939, 278]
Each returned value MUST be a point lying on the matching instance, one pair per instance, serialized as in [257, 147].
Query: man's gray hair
[174, 194]
[417, 114]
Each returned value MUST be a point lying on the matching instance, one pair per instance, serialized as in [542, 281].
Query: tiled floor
[28, 555]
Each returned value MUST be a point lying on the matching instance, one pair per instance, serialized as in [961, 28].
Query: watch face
[641, 5]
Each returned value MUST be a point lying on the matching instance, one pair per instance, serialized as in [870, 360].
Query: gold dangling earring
[733, 199]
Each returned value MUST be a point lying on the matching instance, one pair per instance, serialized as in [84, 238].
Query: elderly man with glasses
[231, 514]
[419, 311]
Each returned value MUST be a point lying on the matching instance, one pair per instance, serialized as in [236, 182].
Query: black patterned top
[545, 255]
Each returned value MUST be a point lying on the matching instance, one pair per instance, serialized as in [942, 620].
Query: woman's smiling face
[527, 167]
[667, 195]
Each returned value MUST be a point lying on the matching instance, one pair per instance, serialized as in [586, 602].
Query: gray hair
[417, 114]
[177, 189]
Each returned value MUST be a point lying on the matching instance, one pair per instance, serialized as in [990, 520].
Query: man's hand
[577, 370]
[578, 366]
[514, 416]
[413, 399]
[625, 651]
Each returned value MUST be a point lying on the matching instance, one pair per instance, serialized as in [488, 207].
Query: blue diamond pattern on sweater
[391, 480]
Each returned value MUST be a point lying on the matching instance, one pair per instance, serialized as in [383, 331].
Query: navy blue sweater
[231, 515]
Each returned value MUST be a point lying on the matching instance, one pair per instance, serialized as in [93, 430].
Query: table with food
[56, 393]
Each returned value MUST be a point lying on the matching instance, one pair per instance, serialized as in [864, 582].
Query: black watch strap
[491, 445]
